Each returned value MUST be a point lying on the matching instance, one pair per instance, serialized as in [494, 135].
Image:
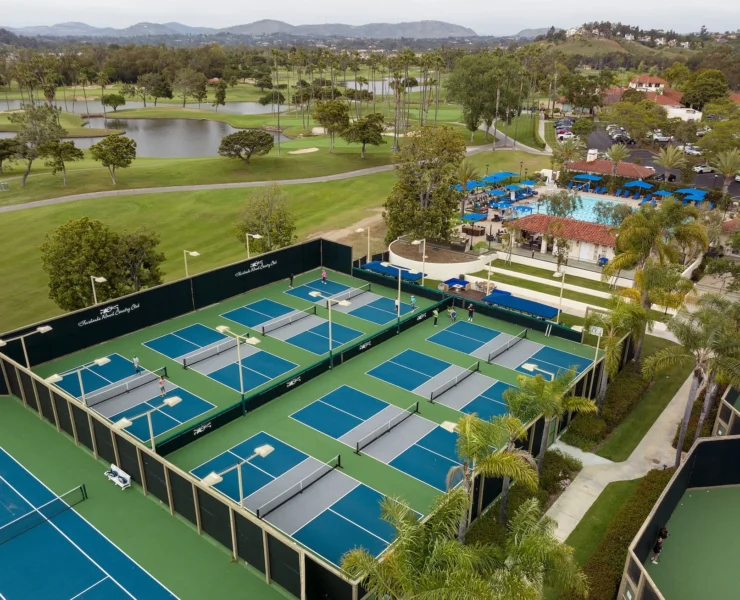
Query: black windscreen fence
[65, 420]
[249, 542]
[45, 403]
[287, 385]
[128, 459]
[476, 495]
[28, 389]
[491, 490]
[322, 584]
[284, 567]
[536, 435]
[155, 481]
[13, 381]
[336, 256]
[214, 518]
[84, 435]
[182, 496]
[4, 389]
[716, 464]
[105, 443]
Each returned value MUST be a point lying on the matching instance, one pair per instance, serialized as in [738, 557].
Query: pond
[95, 107]
[165, 138]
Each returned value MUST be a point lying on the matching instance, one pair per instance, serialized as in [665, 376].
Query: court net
[115, 390]
[287, 320]
[386, 427]
[298, 488]
[522, 335]
[208, 352]
[350, 293]
[454, 381]
[42, 514]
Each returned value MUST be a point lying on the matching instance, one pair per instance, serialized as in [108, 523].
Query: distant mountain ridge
[530, 34]
[414, 29]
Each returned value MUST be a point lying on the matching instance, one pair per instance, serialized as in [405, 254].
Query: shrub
[556, 469]
[625, 390]
[604, 567]
[706, 429]
[585, 432]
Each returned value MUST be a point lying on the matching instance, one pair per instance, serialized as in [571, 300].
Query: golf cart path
[213, 186]
[655, 451]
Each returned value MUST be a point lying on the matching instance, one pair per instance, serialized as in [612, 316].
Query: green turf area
[191, 566]
[526, 132]
[600, 286]
[72, 123]
[630, 432]
[274, 417]
[550, 135]
[200, 385]
[698, 558]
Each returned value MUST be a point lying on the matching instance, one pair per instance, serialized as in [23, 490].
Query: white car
[703, 169]
[659, 136]
[737, 178]
[565, 136]
[690, 149]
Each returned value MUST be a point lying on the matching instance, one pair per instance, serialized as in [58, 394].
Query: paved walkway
[541, 131]
[653, 452]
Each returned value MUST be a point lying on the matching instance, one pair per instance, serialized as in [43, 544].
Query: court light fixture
[56, 378]
[223, 329]
[529, 367]
[44, 329]
[172, 400]
[102, 361]
[193, 253]
[449, 426]
[99, 279]
[264, 450]
[211, 479]
[122, 424]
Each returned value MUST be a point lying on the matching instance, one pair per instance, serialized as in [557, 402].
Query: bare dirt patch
[304, 151]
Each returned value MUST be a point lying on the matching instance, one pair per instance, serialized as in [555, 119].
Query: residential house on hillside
[645, 38]
[629, 37]
[673, 42]
[686, 45]
[669, 100]
[648, 83]
[660, 41]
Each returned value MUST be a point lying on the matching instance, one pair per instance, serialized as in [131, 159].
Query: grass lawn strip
[599, 286]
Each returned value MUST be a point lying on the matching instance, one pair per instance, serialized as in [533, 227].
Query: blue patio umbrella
[662, 193]
[507, 174]
[587, 177]
[457, 187]
[497, 193]
[476, 184]
[527, 182]
[696, 199]
[512, 186]
[691, 191]
[474, 217]
[637, 183]
[493, 178]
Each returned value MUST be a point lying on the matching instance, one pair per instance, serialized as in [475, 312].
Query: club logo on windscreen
[293, 382]
[364, 346]
[257, 265]
[203, 428]
[109, 312]
[421, 317]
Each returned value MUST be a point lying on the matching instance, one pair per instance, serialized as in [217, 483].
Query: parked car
[689, 149]
[703, 131]
[659, 136]
[661, 177]
[737, 178]
[565, 136]
[623, 139]
[703, 169]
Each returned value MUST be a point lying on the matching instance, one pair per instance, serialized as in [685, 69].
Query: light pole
[254, 236]
[521, 165]
[423, 243]
[124, 422]
[56, 378]
[185, 254]
[93, 281]
[22, 338]
[598, 332]
[400, 270]
[214, 478]
[486, 170]
[329, 305]
[252, 341]
[360, 230]
[557, 274]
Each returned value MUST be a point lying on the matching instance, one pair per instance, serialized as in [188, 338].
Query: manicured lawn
[630, 432]
[72, 123]
[550, 136]
[525, 132]
[547, 274]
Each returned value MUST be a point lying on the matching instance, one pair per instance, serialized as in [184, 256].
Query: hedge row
[605, 566]
[624, 391]
[706, 428]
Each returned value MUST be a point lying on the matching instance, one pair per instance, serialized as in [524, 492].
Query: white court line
[331, 510]
[438, 454]
[89, 588]
[81, 551]
[293, 468]
[328, 508]
[252, 465]
[361, 420]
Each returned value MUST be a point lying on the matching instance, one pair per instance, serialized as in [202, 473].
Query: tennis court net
[350, 293]
[522, 335]
[386, 427]
[298, 488]
[115, 390]
[459, 378]
[287, 320]
[199, 355]
[42, 514]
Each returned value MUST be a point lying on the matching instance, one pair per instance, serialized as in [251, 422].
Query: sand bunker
[304, 151]
[319, 131]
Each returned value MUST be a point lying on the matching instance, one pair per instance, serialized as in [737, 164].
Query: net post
[84, 492]
[165, 372]
[339, 461]
[357, 448]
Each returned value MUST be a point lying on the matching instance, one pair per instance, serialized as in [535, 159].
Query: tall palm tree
[727, 164]
[549, 398]
[669, 158]
[426, 561]
[623, 318]
[707, 339]
[567, 152]
[477, 445]
[466, 173]
[617, 153]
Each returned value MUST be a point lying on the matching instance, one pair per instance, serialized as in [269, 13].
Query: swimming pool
[585, 213]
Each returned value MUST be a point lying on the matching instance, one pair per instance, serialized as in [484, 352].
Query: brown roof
[672, 94]
[662, 99]
[604, 167]
[735, 96]
[731, 226]
[580, 231]
[612, 95]
[648, 79]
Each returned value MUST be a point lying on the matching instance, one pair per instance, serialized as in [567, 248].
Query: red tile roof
[648, 79]
[672, 94]
[662, 99]
[735, 96]
[731, 226]
[604, 167]
[580, 231]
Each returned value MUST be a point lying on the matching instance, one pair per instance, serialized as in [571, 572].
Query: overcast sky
[484, 16]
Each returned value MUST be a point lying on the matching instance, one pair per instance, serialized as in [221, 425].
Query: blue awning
[691, 191]
[474, 217]
[530, 307]
[662, 193]
[456, 281]
[392, 270]
[637, 183]
[588, 177]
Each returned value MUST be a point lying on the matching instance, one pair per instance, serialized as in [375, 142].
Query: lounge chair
[570, 185]
[711, 205]
[643, 201]
[618, 193]
[648, 197]
[636, 196]
[602, 190]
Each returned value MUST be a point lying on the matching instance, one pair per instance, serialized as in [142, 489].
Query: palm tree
[566, 152]
[617, 153]
[707, 338]
[669, 158]
[727, 164]
[550, 398]
[466, 173]
[426, 561]
[476, 445]
[623, 318]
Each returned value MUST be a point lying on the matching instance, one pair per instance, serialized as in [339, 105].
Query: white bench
[118, 476]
